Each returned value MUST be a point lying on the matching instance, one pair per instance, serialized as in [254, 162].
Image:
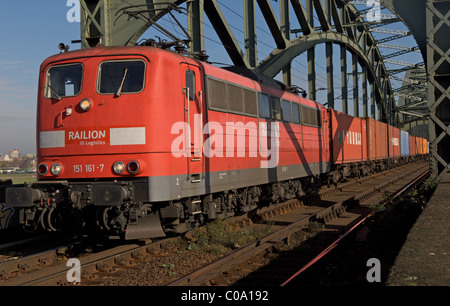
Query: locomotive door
[193, 110]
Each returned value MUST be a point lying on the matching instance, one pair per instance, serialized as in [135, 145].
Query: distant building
[9, 170]
[14, 153]
[5, 157]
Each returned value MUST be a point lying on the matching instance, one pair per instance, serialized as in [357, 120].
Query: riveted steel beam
[272, 23]
[301, 17]
[225, 34]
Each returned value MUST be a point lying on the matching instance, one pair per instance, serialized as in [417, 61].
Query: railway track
[287, 220]
[350, 209]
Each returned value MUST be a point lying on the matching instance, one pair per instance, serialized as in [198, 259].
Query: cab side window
[190, 84]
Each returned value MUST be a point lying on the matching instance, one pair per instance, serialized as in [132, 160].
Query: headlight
[56, 169]
[85, 104]
[133, 167]
[43, 169]
[118, 167]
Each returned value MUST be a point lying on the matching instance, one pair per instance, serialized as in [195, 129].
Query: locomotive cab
[97, 138]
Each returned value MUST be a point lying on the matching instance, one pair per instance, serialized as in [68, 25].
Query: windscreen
[118, 77]
[63, 81]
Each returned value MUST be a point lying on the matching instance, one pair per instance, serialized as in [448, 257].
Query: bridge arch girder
[280, 59]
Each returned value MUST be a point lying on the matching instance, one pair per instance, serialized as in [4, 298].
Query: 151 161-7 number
[88, 168]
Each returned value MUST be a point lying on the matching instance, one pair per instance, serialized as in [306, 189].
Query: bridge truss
[355, 65]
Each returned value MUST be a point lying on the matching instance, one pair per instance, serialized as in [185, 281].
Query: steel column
[251, 54]
[196, 28]
[355, 85]
[330, 74]
[344, 81]
[285, 25]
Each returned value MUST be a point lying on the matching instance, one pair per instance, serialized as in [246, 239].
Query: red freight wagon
[416, 144]
[394, 142]
[412, 146]
[419, 145]
[377, 144]
[423, 146]
[348, 138]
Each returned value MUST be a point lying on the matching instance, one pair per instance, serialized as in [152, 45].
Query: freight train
[138, 142]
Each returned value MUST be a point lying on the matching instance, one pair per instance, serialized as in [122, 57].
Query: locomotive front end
[93, 146]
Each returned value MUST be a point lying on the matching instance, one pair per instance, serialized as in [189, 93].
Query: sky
[30, 31]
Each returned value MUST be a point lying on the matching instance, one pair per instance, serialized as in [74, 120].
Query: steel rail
[332, 246]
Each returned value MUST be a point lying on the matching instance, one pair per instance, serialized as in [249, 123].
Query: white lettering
[200, 296]
[73, 14]
[374, 14]
[179, 146]
[235, 138]
[87, 135]
[74, 274]
[374, 273]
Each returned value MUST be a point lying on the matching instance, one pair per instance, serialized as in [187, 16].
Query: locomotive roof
[235, 73]
[102, 51]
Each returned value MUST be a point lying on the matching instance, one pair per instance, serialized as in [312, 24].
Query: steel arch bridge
[299, 27]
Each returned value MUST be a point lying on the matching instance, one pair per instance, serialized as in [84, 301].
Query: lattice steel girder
[429, 23]
[102, 20]
[411, 12]
[438, 70]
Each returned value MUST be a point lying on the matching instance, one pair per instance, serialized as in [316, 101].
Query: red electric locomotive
[140, 141]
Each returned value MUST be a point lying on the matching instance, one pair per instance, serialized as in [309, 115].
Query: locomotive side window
[63, 81]
[117, 77]
[275, 108]
[235, 98]
[264, 107]
[295, 113]
[286, 109]
[311, 116]
[190, 83]
[250, 102]
[217, 94]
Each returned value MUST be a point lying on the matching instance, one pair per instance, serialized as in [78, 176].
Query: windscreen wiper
[55, 93]
[119, 91]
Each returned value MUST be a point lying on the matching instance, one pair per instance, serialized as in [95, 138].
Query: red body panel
[87, 149]
[377, 139]
[348, 137]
